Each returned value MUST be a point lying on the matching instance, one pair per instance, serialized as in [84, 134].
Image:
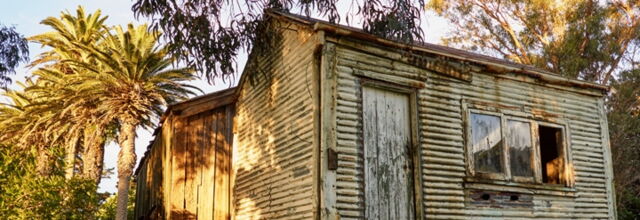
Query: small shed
[189, 156]
[340, 124]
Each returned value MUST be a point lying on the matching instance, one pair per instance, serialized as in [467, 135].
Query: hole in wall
[485, 196]
[514, 198]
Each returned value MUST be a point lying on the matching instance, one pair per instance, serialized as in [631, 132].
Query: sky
[25, 16]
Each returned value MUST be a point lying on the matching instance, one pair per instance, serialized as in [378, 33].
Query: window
[551, 155]
[520, 148]
[486, 142]
[516, 149]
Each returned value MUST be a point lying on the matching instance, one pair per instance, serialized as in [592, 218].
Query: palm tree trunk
[93, 156]
[126, 162]
[70, 157]
[43, 163]
[94, 161]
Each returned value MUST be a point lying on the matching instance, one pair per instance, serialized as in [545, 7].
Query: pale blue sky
[26, 15]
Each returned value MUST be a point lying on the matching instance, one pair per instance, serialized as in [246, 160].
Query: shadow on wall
[181, 214]
[201, 166]
[273, 150]
[254, 149]
[272, 135]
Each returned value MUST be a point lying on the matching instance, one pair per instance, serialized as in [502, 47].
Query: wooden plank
[315, 162]
[140, 187]
[222, 171]
[192, 179]
[167, 181]
[198, 157]
[390, 78]
[211, 100]
[206, 106]
[178, 172]
[371, 154]
[157, 189]
[328, 96]
[208, 163]
[387, 140]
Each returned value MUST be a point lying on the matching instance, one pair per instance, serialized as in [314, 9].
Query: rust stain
[543, 114]
[440, 66]
[494, 105]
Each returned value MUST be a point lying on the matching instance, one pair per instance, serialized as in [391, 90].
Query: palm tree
[24, 122]
[131, 85]
[69, 31]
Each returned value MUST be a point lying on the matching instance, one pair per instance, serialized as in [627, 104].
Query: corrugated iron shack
[339, 124]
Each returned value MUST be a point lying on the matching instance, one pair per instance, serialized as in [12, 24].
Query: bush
[107, 209]
[27, 195]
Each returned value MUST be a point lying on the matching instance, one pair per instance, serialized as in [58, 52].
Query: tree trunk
[93, 156]
[126, 162]
[43, 163]
[94, 162]
[70, 157]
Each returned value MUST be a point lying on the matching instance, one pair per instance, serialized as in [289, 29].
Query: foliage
[132, 78]
[27, 195]
[95, 82]
[210, 33]
[37, 116]
[588, 39]
[630, 205]
[107, 210]
[13, 51]
[130, 84]
[624, 127]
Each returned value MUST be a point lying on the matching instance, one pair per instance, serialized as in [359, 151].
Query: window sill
[518, 187]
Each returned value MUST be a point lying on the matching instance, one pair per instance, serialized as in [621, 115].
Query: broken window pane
[551, 155]
[519, 142]
[486, 143]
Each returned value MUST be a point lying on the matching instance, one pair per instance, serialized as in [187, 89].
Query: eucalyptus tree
[210, 34]
[590, 40]
[131, 85]
[13, 51]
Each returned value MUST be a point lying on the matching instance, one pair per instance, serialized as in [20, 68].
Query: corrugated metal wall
[441, 136]
[274, 149]
[186, 173]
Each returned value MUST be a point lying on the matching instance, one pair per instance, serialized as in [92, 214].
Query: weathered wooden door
[387, 148]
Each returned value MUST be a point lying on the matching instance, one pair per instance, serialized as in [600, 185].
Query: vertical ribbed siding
[441, 134]
[141, 187]
[149, 180]
[273, 151]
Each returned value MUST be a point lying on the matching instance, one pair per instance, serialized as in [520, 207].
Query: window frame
[534, 123]
[565, 149]
[471, 161]
[534, 150]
